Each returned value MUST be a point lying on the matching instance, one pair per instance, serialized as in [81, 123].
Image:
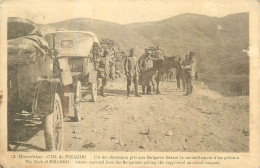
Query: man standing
[179, 74]
[157, 57]
[103, 71]
[112, 68]
[189, 71]
[183, 71]
[186, 57]
[145, 64]
[132, 72]
[196, 76]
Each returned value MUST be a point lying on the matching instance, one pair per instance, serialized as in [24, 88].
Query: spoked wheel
[53, 127]
[94, 92]
[78, 97]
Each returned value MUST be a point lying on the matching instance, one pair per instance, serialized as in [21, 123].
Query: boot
[128, 91]
[143, 90]
[178, 84]
[191, 89]
[149, 90]
[102, 91]
[188, 90]
[183, 86]
[136, 92]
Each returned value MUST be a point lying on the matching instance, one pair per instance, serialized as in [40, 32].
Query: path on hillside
[204, 121]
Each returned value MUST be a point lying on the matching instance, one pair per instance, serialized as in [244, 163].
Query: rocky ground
[203, 122]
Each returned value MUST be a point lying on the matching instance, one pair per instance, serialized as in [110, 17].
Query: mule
[159, 67]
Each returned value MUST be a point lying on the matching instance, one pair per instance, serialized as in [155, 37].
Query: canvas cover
[71, 44]
[24, 49]
[25, 41]
[19, 27]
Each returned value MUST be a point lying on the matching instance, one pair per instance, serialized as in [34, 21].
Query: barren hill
[123, 35]
[217, 42]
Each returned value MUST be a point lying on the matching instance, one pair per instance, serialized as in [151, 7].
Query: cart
[45, 76]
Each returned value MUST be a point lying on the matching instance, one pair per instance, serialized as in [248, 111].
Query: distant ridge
[218, 42]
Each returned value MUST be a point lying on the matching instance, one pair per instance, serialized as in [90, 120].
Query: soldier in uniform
[196, 75]
[103, 71]
[146, 75]
[189, 69]
[157, 57]
[179, 74]
[132, 72]
[112, 68]
[183, 73]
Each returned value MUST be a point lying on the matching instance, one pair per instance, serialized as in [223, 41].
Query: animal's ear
[165, 56]
[174, 57]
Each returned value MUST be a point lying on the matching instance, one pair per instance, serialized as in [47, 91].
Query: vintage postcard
[129, 83]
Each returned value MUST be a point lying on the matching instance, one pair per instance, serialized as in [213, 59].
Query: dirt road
[202, 122]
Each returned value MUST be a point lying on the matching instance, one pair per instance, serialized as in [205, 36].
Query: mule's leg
[154, 81]
[153, 88]
[158, 84]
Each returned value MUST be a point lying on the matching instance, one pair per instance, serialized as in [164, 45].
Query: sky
[119, 11]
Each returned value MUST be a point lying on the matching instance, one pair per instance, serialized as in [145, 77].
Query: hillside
[123, 35]
[217, 42]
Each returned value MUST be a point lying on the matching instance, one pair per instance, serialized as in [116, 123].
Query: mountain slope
[220, 40]
[214, 40]
[124, 36]
[217, 42]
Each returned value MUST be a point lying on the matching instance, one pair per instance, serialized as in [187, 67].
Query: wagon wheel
[53, 126]
[94, 91]
[78, 97]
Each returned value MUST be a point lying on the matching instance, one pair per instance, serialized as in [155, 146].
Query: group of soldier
[139, 71]
[136, 71]
[186, 72]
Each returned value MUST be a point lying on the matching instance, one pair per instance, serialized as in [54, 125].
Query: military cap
[192, 54]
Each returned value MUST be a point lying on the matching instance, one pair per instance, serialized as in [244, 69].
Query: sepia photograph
[129, 83]
[172, 81]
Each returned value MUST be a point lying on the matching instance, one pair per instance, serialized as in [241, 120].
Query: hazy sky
[120, 11]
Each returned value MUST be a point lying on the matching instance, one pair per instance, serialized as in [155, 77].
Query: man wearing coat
[132, 72]
[179, 74]
[146, 74]
[103, 71]
[189, 69]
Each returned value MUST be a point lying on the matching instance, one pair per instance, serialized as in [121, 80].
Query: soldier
[157, 57]
[103, 71]
[186, 57]
[196, 75]
[145, 63]
[189, 71]
[179, 74]
[112, 68]
[132, 72]
[183, 73]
